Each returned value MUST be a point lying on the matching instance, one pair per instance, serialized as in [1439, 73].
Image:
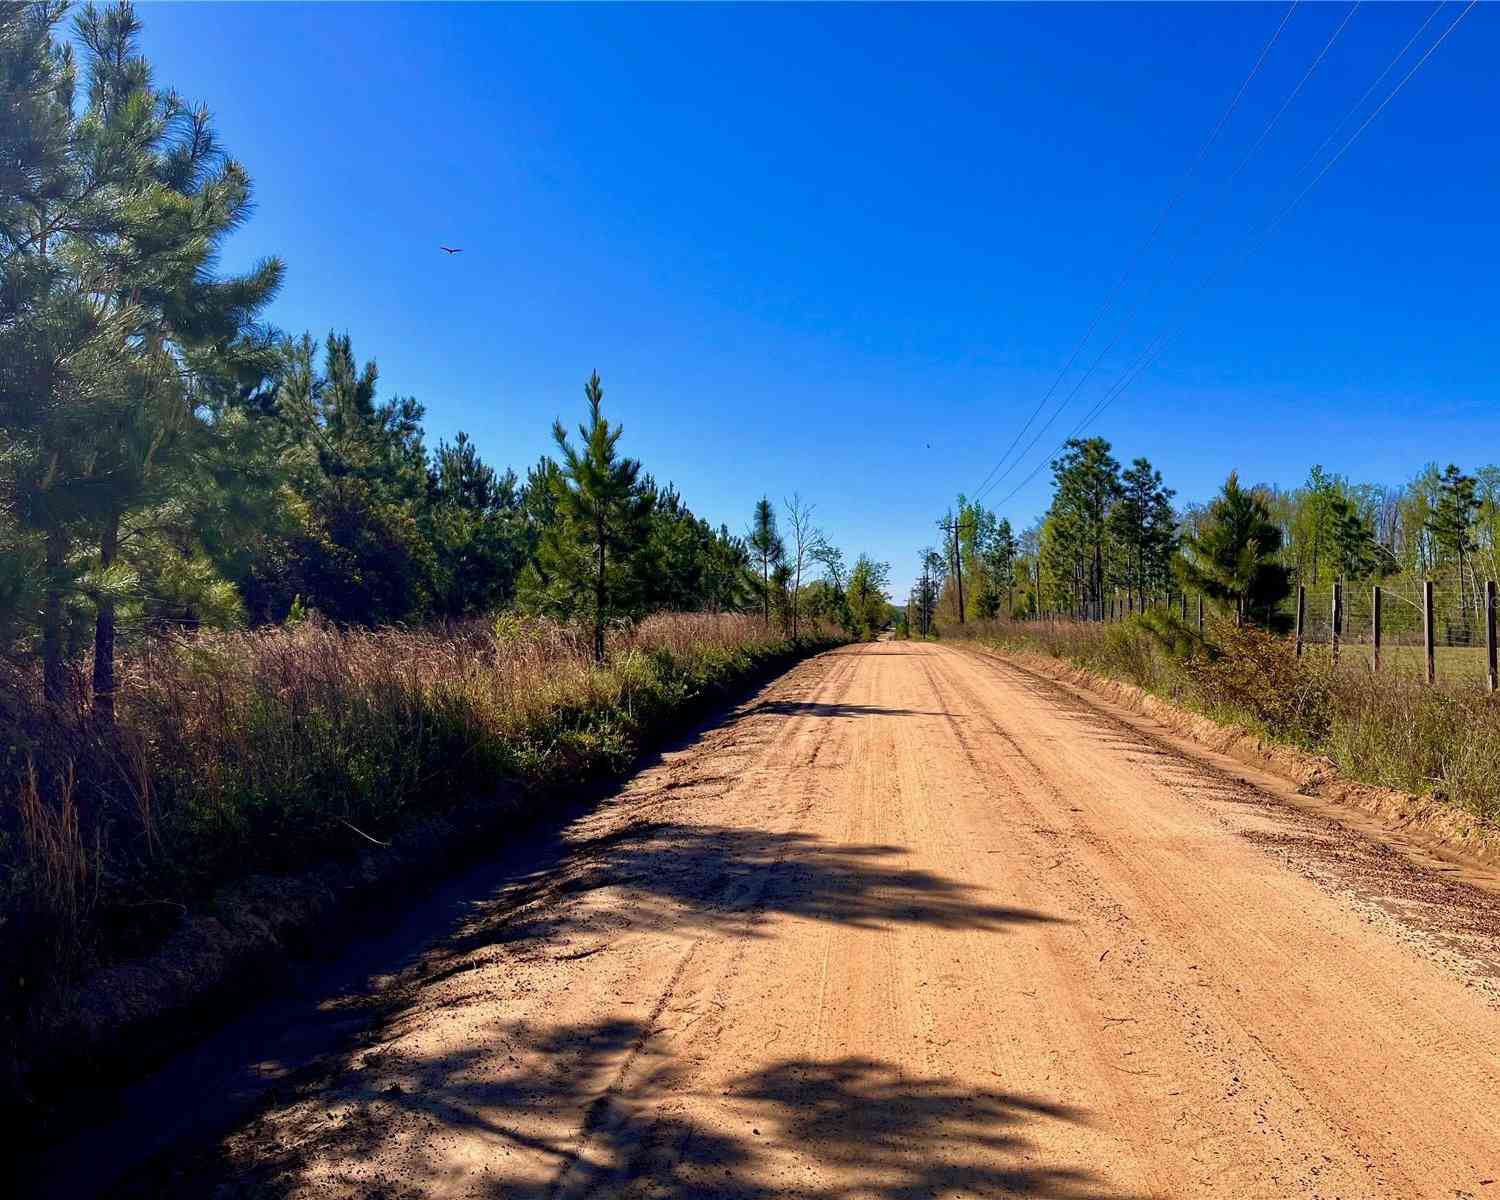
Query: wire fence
[1440, 628]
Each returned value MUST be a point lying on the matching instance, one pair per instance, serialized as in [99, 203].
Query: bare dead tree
[804, 539]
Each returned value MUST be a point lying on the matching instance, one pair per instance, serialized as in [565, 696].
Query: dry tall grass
[265, 750]
[1386, 729]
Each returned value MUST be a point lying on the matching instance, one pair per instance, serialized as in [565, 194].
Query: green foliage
[470, 521]
[350, 502]
[590, 558]
[869, 610]
[1233, 557]
[1179, 640]
[1087, 485]
[1143, 531]
[767, 547]
[120, 349]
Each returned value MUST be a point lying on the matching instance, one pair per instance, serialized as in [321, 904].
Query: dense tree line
[168, 460]
[1112, 536]
[1107, 532]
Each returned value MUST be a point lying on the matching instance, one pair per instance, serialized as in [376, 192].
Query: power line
[1135, 259]
[1379, 79]
[1296, 91]
[1136, 307]
[1155, 348]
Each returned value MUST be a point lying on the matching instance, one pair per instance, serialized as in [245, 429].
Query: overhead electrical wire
[1369, 91]
[1296, 91]
[1151, 237]
[993, 480]
[1155, 348]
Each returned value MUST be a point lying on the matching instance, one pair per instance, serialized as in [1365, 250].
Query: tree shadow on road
[711, 877]
[546, 1118]
[808, 708]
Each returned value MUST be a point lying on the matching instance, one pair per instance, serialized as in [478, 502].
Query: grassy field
[1454, 664]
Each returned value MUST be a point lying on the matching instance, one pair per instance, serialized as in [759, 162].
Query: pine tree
[1451, 524]
[588, 558]
[1142, 528]
[766, 544]
[1088, 482]
[470, 519]
[349, 539]
[125, 339]
[1232, 557]
[53, 344]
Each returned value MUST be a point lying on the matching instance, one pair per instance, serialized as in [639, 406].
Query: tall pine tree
[1233, 557]
[768, 548]
[588, 557]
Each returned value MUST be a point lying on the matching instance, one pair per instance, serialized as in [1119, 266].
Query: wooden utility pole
[1336, 618]
[1375, 598]
[958, 572]
[1489, 635]
[926, 591]
[1301, 615]
[1429, 631]
[958, 564]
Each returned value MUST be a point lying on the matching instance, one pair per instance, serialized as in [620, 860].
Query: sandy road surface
[916, 923]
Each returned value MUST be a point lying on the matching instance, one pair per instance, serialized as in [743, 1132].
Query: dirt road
[917, 923]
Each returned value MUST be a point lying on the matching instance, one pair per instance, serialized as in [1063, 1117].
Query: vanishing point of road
[914, 921]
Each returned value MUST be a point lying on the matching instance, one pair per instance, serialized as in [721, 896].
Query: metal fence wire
[1441, 627]
[1385, 624]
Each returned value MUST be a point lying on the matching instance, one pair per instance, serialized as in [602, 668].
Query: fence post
[1489, 634]
[1200, 612]
[1429, 632]
[1375, 628]
[1301, 615]
[1184, 607]
[1337, 618]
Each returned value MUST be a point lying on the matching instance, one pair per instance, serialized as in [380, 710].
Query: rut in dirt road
[915, 922]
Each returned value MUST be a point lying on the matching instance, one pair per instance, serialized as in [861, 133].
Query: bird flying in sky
[452, 249]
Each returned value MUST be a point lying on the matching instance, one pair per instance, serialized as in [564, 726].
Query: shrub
[1258, 674]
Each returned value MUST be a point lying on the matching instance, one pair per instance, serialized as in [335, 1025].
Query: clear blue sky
[803, 244]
